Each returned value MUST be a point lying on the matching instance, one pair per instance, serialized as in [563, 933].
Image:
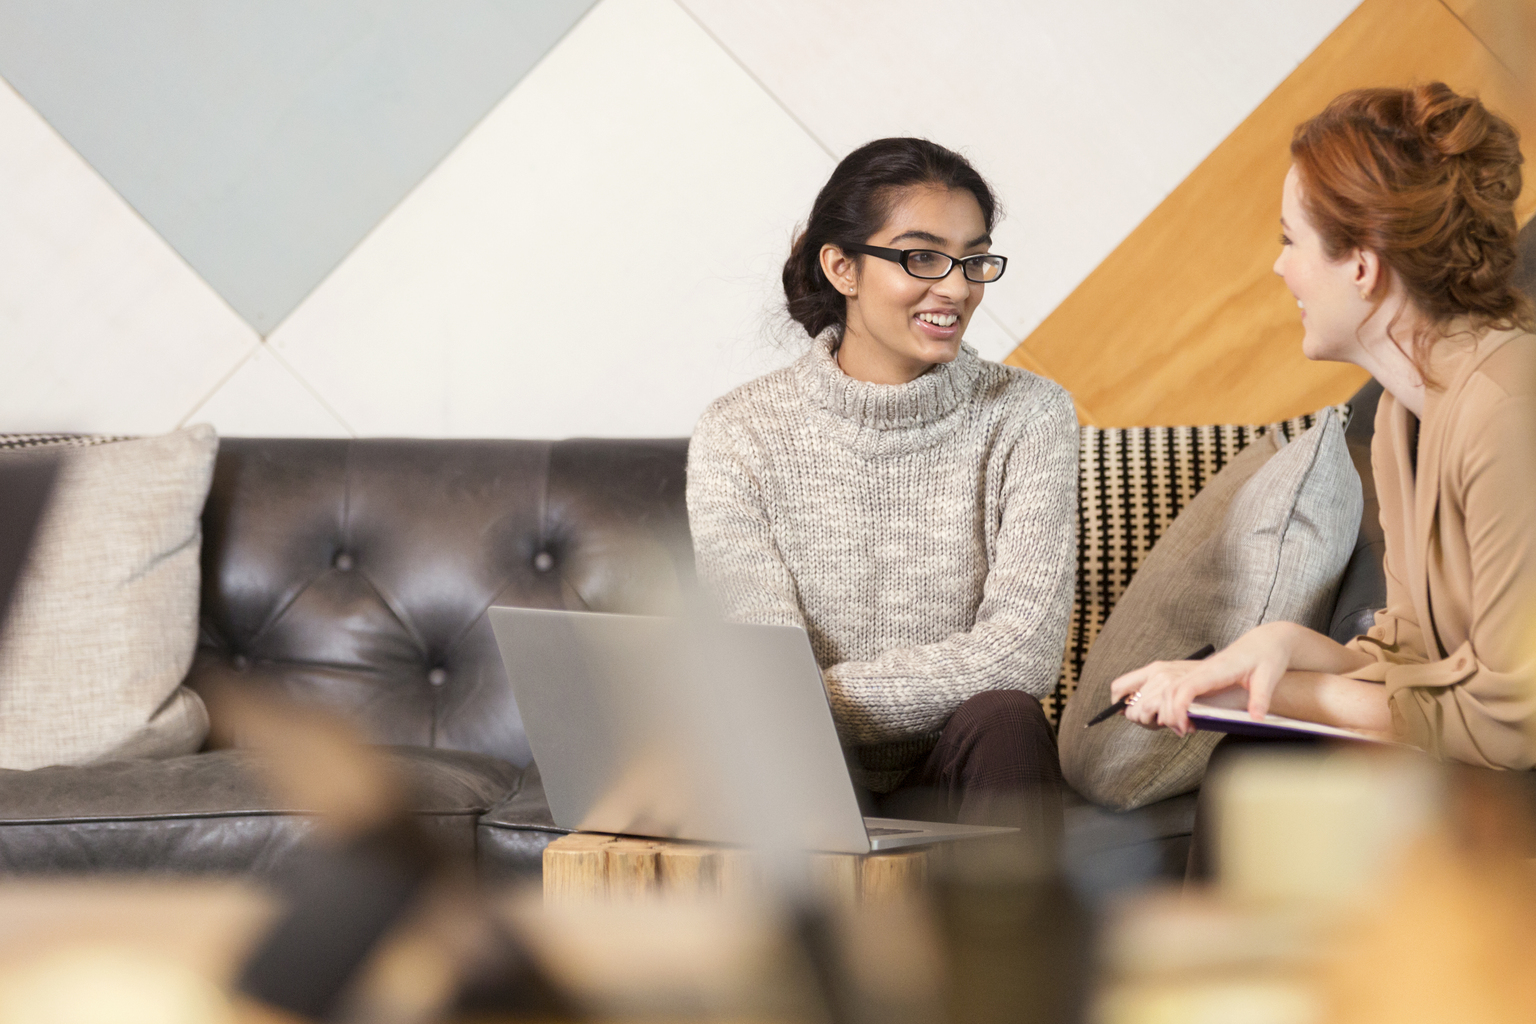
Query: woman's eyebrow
[922, 236]
[932, 239]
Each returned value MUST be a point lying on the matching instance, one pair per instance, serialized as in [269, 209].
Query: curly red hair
[1427, 179]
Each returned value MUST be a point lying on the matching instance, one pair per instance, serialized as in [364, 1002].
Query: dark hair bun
[810, 299]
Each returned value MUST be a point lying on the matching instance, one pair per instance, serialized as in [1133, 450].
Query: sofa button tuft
[343, 562]
[438, 676]
[241, 662]
[543, 561]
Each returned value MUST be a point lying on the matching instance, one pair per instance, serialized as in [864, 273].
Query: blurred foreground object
[122, 950]
[1354, 886]
[379, 925]
[968, 932]
[110, 984]
[1453, 936]
[1319, 829]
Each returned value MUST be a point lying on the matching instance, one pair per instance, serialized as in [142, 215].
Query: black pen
[1119, 705]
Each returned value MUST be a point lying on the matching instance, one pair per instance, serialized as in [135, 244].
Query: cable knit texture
[922, 533]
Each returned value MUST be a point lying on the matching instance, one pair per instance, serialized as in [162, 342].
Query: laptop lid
[718, 732]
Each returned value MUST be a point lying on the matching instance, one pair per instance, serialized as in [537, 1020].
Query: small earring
[1364, 294]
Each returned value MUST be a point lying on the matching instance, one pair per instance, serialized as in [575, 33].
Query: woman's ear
[1368, 272]
[840, 269]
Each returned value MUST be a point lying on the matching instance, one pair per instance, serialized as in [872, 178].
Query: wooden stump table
[587, 867]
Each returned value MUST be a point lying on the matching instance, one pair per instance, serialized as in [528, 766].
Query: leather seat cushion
[513, 834]
[211, 812]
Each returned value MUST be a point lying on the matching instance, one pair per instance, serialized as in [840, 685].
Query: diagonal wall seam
[1481, 41]
[307, 386]
[229, 375]
[760, 83]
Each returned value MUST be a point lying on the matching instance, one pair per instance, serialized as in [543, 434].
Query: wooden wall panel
[1185, 322]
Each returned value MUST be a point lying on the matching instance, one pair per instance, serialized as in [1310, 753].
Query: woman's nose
[954, 285]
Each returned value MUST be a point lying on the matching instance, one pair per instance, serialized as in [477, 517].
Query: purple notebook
[1227, 711]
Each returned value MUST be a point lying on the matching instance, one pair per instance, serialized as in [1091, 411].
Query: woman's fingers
[1261, 688]
[1165, 689]
[1199, 679]
[1148, 701]
[1131, 681]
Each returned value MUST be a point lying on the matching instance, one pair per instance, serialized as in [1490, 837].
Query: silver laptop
[687, 730]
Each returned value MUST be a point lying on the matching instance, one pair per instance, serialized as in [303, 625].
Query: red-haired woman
[1399, 244]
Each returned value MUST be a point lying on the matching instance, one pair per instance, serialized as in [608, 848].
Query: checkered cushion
[22, 441]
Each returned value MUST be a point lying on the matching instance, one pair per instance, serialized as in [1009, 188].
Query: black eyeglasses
[931, 265]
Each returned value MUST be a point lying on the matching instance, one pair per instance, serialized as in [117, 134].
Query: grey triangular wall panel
[264, 138]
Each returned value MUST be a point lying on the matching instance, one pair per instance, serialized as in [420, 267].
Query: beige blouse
[1454, 644]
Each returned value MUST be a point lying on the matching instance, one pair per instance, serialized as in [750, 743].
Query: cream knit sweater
[924, 535]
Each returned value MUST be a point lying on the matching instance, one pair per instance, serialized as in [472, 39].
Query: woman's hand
[1164, 689]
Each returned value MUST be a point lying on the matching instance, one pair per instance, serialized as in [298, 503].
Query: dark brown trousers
[995, 764]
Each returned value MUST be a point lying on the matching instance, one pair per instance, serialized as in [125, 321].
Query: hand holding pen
[1124, 702]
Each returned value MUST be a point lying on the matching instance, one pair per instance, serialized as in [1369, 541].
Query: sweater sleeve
[1020, 628]
[738, 560]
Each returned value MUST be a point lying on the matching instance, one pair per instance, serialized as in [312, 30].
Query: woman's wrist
[1332, 700]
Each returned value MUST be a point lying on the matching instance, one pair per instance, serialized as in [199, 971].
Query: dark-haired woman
[909, 504]
[1400, 247]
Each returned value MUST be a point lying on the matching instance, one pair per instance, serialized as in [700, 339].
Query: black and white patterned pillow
[1133, 482]
[15, 442]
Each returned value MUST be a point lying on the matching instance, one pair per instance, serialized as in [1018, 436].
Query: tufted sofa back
[355, 574]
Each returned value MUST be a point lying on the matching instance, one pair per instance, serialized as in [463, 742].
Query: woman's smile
[941, 325]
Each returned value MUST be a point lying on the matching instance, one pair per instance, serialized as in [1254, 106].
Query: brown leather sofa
[354, 576]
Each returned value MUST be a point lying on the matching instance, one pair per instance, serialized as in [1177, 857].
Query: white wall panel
[263, 398]
[595, 258]
[102, 326]
[986, 335]
[1083, 115]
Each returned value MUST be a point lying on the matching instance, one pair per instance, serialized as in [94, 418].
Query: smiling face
[1329, 292]
[899, 325]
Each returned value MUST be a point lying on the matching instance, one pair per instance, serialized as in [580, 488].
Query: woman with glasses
[909, 504]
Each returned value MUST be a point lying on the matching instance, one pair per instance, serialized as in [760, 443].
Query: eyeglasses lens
[931, 265]
[982, 269]
[926, 264]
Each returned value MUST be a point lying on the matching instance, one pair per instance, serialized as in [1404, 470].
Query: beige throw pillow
[104, 621]
[1266, 540]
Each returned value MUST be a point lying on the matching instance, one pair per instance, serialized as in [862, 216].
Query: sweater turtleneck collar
[884, 407]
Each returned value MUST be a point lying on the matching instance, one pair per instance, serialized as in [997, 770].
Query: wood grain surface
[585, 868]
[1185, 322]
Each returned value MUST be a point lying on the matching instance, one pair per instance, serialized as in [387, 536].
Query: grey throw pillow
[1266, 540]
[104, 622]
